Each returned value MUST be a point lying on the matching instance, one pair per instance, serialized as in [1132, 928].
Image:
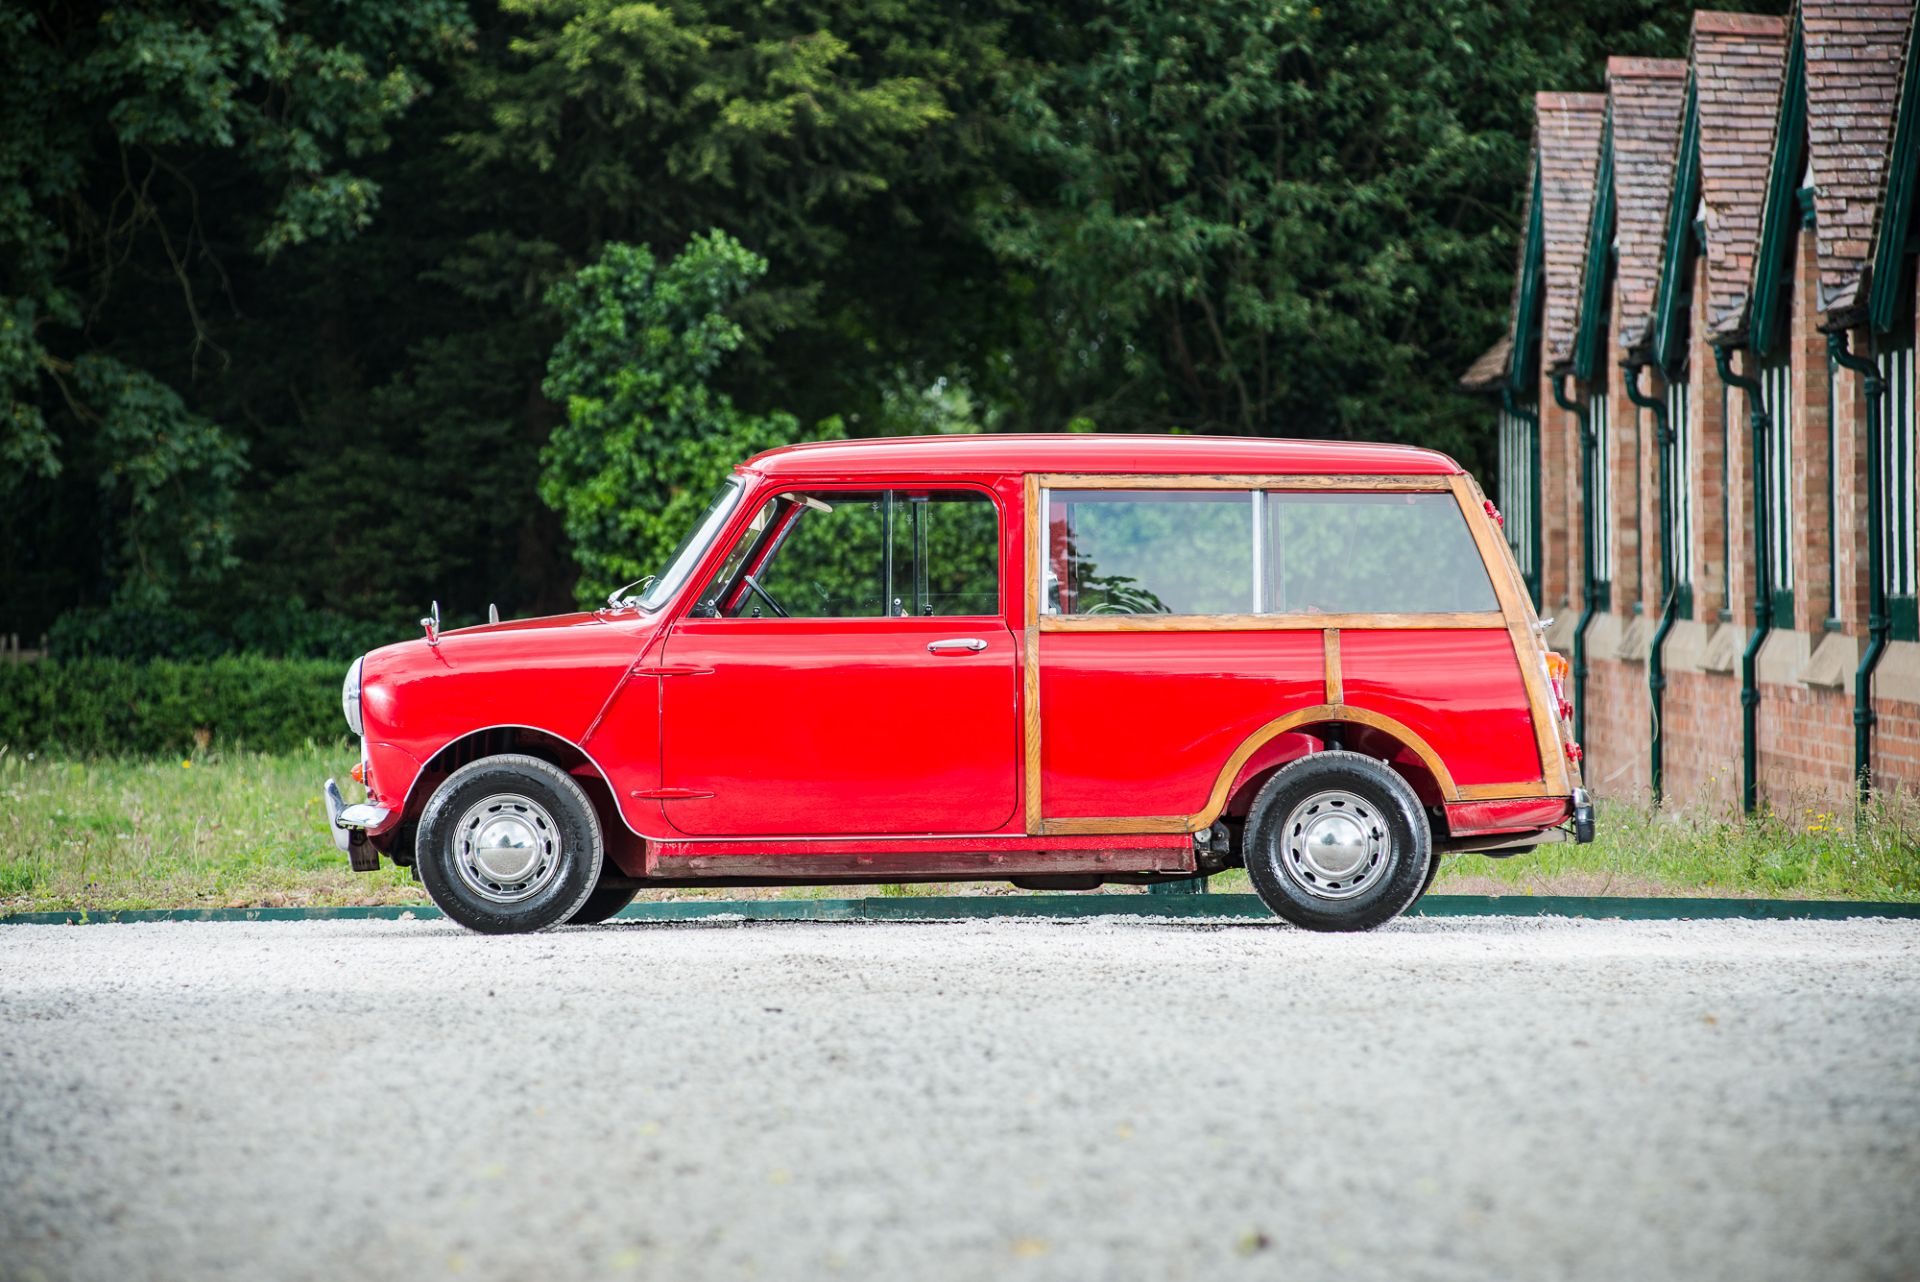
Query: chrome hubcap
[1335, 845]
[506, 848]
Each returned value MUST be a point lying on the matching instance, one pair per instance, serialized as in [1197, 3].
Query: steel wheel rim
[1335, 845]
[506, 848]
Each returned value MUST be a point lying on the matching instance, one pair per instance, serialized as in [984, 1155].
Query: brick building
[1706, 407]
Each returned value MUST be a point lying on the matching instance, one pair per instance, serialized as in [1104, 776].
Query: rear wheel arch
[1288, 739]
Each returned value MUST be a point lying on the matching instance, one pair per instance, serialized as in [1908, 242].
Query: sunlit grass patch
[1816, 851]
[238, 829]
[212, 830]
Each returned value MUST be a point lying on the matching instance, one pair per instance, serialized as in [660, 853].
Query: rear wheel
[1433, 873]
[509, 844]
[1337, 841]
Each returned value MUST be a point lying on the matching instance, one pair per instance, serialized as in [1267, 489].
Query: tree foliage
[305, 305]
[647, 437]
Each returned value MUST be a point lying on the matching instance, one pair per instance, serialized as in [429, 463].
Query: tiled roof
[1854, 50]
[1490, 367]
[1566, 136]
[1738, 61]
[1648, 96]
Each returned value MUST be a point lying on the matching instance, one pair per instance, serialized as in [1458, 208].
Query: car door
[848, 671]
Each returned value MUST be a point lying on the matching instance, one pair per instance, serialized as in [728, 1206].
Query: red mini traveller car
[1058, 661]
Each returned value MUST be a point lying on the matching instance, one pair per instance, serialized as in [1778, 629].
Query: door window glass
[842, 554]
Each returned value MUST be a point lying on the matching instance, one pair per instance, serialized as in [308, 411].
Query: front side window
[1219, 552]
[845, 554]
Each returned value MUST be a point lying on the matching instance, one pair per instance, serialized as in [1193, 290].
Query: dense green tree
[1278, 216]
[119, 128]
[277, 277]
[647, 437]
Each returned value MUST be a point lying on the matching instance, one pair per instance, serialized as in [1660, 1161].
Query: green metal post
[1879, 623]
[1762, 584]
[1579, 409]
[1656, 655]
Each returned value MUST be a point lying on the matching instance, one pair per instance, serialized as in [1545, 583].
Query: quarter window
[1215, 552]
[1377, 553]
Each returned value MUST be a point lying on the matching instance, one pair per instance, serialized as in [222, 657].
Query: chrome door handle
[957, 645]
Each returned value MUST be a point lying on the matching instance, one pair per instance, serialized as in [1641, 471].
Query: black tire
[1347, 795]
[510, 796]
[1433, 873]
[603, 903]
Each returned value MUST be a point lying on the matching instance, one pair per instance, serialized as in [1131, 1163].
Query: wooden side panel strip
[1488, 620]
[1523, 631]
[1148, 481]
[1035, 540]
[1334, 694]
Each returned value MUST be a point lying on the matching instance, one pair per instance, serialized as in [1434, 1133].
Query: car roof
[1096, 452]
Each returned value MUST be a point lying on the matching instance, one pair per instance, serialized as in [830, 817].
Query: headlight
[350, 695]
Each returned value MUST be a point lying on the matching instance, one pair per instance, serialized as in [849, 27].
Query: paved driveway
[1465, 1098]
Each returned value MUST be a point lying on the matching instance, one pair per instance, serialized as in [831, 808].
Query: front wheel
[509, 844]
[1337, 841]
[603, 903]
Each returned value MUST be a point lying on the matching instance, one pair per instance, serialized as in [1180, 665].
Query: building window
[1897, 485]
[1519, 467]
[1680, 487]
[1776, 395]
[1600, 520]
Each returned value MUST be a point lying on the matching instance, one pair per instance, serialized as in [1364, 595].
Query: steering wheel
[754, 584]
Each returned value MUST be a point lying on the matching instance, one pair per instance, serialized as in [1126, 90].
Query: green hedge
[110, 707]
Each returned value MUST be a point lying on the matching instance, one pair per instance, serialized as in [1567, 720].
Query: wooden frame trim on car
[1218, 797]
[1487, 619]
[1523, 629]
[1189, 481]
[1514, 617]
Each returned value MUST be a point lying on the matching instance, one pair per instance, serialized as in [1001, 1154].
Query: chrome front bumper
[349, 825]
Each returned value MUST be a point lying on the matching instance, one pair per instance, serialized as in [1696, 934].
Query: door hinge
[669, 794]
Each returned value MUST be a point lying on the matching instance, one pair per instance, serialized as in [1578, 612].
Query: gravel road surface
[1447, 1099]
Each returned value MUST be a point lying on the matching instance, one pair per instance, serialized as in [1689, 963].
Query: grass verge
[231, 829]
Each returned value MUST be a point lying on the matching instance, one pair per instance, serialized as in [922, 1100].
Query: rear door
[848, 672]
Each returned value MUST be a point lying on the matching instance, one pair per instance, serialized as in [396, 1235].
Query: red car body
[1029, 743]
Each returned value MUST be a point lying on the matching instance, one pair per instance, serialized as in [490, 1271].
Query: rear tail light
[1557, 670]
[1494, 512]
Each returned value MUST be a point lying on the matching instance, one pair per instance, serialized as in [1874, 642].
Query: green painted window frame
[1900, 440]
[1679, 394]
[1519, 486]
[1776, 393]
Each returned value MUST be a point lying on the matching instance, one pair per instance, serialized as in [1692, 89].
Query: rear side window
[1213, 552]
[1374, 553]
[1150, 552]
